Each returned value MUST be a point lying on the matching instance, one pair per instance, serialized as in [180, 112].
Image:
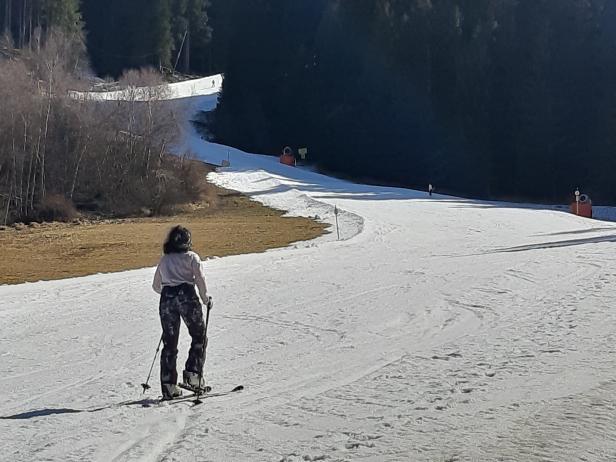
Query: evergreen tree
[198, 37]
[62, 14]
[190, 31]
[491, 98]
[160, 33]
[155, 33]
[22, 20]
[494, 98]
[180, 31]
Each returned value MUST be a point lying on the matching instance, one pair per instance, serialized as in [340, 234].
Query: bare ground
[223, 223]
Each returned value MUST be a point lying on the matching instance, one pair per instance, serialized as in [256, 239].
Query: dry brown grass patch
[224, 223]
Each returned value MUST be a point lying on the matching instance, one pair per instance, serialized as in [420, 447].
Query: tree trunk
[22, 199]
[43, 151]
[76, 172]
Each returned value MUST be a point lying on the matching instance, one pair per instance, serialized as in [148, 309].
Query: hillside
[435, 329]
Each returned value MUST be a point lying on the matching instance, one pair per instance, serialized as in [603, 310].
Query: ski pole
[207, 321]
[145, 385]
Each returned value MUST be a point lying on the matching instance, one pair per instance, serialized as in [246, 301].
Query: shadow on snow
[558, 244]
[49, 411]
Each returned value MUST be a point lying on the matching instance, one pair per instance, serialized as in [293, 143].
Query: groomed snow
[436, 329]
[188, 89]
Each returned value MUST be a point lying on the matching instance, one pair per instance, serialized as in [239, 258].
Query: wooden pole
[337, 227]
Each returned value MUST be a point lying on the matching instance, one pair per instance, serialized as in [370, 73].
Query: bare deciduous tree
[104, 156]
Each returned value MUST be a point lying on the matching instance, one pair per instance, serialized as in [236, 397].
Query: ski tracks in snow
[436, 329]
[376, 348]
[151, 439]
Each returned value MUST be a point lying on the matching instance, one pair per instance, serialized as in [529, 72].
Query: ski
[203, 391]
[196, 392]
[193, 395]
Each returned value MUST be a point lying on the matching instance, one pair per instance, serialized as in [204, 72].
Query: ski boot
[171, 391]
[194, 383]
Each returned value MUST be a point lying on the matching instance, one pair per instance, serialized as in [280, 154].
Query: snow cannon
[287, 157]
[582, 206]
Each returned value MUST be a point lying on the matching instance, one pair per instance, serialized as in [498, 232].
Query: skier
[177, 274]
[430, 189]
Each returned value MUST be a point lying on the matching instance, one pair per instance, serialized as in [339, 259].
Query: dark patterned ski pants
[175, 303]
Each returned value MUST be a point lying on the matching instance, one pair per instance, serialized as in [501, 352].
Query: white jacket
[180, 268]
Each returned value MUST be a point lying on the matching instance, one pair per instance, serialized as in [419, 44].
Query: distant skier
[430, 189]
[177, 274]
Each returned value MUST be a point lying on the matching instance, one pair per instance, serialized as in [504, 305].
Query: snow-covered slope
[436, 329]
[188, 89]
